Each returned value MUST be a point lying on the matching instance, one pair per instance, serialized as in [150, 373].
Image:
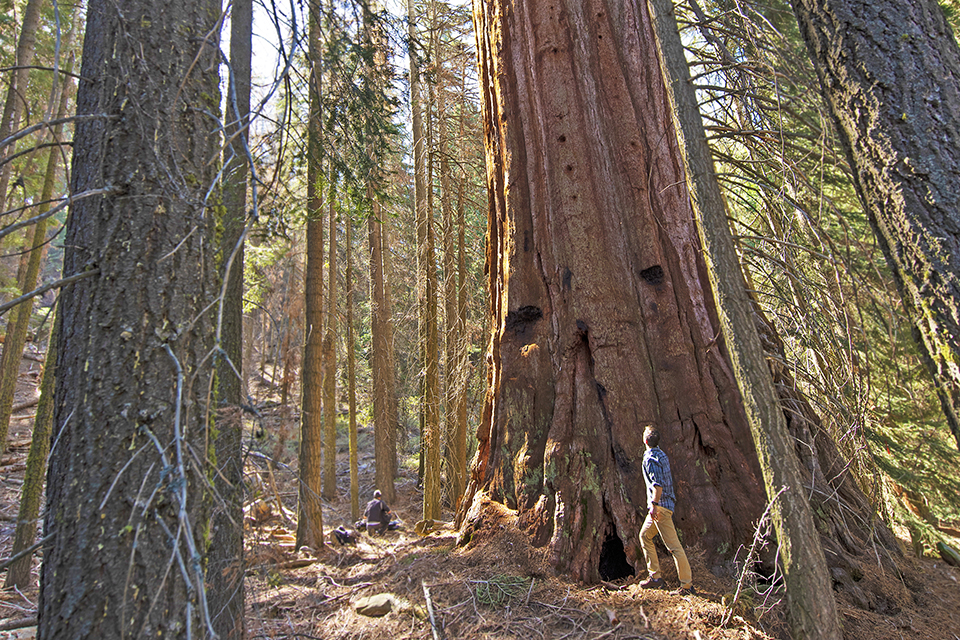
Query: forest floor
[497, 586]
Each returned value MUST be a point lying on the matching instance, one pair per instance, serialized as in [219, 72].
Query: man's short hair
[376, 493]
[651, 436]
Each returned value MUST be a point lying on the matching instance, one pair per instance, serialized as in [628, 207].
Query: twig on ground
[20, 623]
[433, 621]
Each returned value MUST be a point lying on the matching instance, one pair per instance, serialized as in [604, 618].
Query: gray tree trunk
[890, 73]
[126, 493]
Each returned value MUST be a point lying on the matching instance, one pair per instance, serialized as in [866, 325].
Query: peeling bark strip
[890, 73]
[603, 320]
[126, 487]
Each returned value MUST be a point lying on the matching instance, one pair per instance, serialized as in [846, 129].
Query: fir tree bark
[17, 90]
[890, 73]
[381, 365]
[811, 608]
[385, 409]
[351, 374]
[19, 324]
[126, 495]
[330, 362]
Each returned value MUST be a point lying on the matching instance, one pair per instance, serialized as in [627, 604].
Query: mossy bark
[811, 609]
[226, 565]
[18, 574]
[890, 73]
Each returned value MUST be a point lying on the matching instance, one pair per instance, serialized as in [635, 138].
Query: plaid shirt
[656, 473]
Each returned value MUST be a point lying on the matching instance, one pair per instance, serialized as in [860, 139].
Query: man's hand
[654, 513]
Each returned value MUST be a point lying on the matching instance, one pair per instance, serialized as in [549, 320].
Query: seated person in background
[377, 514]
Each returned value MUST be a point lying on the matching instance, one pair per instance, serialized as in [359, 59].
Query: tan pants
[668, 533]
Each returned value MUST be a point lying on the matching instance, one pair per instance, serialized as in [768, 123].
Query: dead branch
[20, 623]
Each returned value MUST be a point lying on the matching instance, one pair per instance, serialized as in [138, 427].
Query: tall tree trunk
[459, 441]
[330, 362]
[381, 365]
[385, 410]
[890, 73]
[225, 564]
[811, 608]
[455, 455]
[19, 324]
[310, 518]
[603, 321]
[126, 492]
[17, 90]
[18, 574]
[351, 374]
[426, 285]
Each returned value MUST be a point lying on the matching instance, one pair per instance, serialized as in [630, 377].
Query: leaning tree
[890, 74]
[127, 498]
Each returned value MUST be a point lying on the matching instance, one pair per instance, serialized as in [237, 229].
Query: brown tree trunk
[225, 563]
[330, 363]
[455, 454]
[381, 364]
[18, 326]
[603, 320]
[18, 574]
[351, 374]
[426, 284]
[310, 517]
[17, 90]
[890, 73]
[126, 491]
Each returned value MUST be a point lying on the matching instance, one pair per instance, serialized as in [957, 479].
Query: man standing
[377, 514]
[661, 498]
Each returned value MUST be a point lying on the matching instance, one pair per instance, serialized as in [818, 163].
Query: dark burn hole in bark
[562, 138]
[613, 559]
[517, 321]
[601, 392]
[567, 278]
[582, 328]
[621, 457]
[653, 275]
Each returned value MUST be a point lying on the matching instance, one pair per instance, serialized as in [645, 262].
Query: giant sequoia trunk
[127, 502]
[603, 320]
[890, 72]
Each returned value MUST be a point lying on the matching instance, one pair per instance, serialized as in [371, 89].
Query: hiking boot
[652, 583]
[685, 591]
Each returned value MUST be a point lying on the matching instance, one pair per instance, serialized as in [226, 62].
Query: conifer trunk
[602, 316]
[330, 361]
[811, 608]
[18, 574]
[226, 565]
[890, 73]
[310, 516]
[127, 498]
[17, 90]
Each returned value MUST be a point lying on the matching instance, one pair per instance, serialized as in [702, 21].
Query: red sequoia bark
[602, 314]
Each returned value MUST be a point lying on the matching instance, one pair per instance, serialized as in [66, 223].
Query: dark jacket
[377, 512]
